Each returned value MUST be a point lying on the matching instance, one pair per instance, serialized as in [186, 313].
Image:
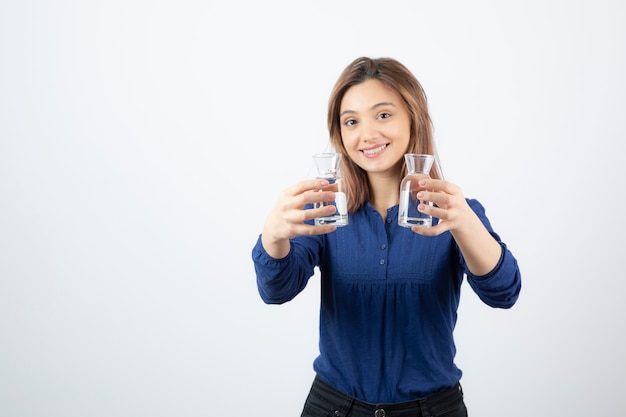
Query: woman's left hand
[479, 248]
[449, 206]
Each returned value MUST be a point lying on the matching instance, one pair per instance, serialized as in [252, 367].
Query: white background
[142, 144]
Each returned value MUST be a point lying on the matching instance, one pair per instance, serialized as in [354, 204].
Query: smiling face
[375, 127]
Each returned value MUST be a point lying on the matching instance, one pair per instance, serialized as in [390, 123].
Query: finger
[306, 185]
[300, 216]
[439, 185]
[310, 197]
[307, 192]
[308, 229]
[430, 231]
[442, 213]
[440, 199]
[318, 230]
[331, 187]
[297, 229]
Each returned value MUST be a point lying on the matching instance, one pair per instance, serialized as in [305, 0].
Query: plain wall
[142, 144]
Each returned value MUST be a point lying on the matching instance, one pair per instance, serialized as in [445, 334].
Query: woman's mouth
[374, 151]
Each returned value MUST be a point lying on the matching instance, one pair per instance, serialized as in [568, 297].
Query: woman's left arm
[479, 248]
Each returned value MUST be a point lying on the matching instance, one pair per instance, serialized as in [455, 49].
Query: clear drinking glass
[327, 165]
[418, 167]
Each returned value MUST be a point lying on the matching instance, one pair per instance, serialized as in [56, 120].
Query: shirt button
[382, 262]
[388, 220]
[379, 413]
[383, 247]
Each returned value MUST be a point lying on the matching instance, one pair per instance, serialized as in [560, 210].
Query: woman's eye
[350, 122]
[384, 115]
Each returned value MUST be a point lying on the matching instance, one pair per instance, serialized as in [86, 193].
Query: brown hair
[397, 77]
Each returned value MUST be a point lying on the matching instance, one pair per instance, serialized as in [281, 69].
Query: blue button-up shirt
[389, 300]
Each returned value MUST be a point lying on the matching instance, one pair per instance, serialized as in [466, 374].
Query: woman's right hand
[286, 220]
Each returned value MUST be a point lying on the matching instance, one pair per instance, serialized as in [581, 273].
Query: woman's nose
[368, 131]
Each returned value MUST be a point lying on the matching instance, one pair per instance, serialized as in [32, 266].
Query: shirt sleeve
[500, 288]
[280, 280]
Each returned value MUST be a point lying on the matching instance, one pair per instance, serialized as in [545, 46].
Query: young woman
[389, 294]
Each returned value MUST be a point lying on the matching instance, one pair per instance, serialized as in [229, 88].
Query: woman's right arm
[287, 218]
[283, 262]
[280, 280]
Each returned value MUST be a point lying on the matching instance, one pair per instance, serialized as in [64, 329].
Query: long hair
[396, 76]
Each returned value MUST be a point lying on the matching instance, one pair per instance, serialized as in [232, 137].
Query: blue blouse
[389, 300]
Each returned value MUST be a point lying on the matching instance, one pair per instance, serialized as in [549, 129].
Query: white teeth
[373, 151]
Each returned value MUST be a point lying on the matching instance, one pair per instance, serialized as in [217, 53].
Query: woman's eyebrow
[384, 103]
[375, 106]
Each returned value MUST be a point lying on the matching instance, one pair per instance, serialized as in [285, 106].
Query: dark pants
[326, 401]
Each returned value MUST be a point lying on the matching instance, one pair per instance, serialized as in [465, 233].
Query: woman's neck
[385, 192]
